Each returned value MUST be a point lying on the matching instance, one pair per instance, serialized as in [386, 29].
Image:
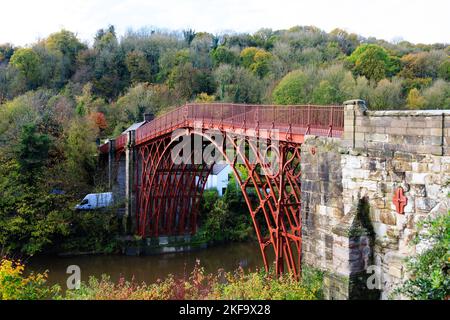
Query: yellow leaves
[15, 286]
[415, 100]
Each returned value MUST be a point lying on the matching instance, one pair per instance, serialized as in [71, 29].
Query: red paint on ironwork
[400, 201]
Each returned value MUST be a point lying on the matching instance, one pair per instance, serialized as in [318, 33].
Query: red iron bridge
[162, 196]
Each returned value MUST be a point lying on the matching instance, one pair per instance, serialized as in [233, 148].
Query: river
[150, 268]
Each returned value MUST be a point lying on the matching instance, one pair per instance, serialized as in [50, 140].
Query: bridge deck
[281, 122]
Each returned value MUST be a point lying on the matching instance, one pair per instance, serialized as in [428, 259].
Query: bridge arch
[169, 194]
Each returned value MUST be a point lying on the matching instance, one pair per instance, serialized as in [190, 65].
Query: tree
[292, 89]
[32, 152]
[27, 62]
[109, 66]
[140, 99]
[437, 96]
[138, 67]
[66, 47]
[386, 95]
[223, 55]
[373, 62]
[80, 151]
[444, 70]
[236, 84]
[12, 83]
[414, 99]
[257, 60]
[6, 52]
[189, 35]
[423, 64]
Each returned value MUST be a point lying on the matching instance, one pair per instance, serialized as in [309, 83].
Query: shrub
[14, 285]
[199, 286]
[430, 272]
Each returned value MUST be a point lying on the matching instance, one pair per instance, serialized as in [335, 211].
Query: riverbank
[197, 285]
[150, 268]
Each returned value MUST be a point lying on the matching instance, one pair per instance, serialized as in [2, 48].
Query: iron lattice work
[168, 194]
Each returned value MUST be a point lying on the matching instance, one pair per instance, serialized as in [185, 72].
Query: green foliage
[81, 152]
[92, 231]
[257, 60]
[138, 67]
[373, 62]
[444, 70]
[430, 269]
[32, 151]
[386, 95]
[226, 218]
[292, 89]
[31, 218]
[6, 52]
[27, 62]
[223, 55]
[437, 96]
[237, 84]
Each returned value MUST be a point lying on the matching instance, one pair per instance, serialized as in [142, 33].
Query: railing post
[330, 132]
[221, 115]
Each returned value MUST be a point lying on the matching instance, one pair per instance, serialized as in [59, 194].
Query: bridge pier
[111, 162]
[129, 218]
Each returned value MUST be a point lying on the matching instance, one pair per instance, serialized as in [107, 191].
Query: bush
[201, 286]
[430, 272]
[15, 286]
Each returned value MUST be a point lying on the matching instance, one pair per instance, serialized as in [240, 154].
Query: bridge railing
[165, 123]
[295, 119]
[301, 119]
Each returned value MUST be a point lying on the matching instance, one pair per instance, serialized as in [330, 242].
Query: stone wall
[351, 226]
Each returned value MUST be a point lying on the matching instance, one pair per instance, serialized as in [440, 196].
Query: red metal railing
[121, 141]
[287, 120]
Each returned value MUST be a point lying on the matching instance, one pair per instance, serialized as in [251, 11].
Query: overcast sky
[427, 21]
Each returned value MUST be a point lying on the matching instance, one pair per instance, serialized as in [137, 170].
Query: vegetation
[196, 286]
[201, 286]
[430, 269]
[227, 218]
[14, 285]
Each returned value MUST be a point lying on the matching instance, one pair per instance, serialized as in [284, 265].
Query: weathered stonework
[380, 152]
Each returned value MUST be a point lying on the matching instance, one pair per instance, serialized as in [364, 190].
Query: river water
[150, 268]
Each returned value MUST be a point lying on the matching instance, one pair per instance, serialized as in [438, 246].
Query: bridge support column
[129, 219]
[111, 161]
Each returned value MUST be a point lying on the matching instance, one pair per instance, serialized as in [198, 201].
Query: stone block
[388, 217]
[401, 165]
[399, 123]
[432, 140]
[418, 190]
[419, 167]
[376, 137]
[425, 204]
[415, 178]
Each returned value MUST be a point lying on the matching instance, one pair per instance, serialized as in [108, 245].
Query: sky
[22, 22]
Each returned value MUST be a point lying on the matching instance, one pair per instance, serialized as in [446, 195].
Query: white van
[94, 201]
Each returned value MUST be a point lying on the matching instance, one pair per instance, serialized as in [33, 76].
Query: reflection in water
[150, 268]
